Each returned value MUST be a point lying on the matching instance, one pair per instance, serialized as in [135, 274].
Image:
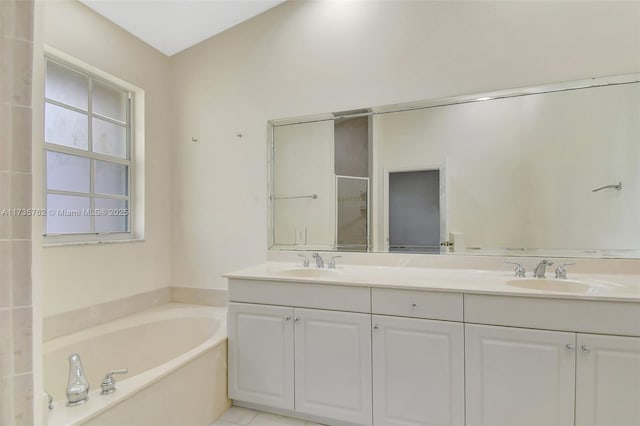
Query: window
[88, 156]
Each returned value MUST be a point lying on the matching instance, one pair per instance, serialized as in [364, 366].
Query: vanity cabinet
[350, 355]
[333, 364]
[312, 349]
[261, 344]
[520, 377]
[310, 361]
[607, 380]
[418, 372]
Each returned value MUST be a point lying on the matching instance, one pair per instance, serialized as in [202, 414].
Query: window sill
[48, 244]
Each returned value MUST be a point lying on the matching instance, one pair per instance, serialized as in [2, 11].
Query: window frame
[131, 234]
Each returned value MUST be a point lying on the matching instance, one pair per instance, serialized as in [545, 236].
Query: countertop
[610, 287]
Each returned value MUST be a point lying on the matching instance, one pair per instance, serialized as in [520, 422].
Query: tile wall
[16, 307]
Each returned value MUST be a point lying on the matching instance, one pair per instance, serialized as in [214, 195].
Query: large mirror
[549, 170]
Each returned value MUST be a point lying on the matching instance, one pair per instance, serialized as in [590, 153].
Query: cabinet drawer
[303, 295]
[583, 316]
[417, 304]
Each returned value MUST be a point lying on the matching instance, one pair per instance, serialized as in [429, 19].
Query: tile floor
[238, 416]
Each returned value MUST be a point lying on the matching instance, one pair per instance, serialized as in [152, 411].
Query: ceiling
[174, 25]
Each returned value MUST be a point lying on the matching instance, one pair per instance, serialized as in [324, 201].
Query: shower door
[352, 213]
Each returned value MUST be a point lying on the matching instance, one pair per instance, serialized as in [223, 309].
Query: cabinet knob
[376, 326]
[296, 318]
[586, 348]
[414, 304]
[287, 318]
[571, 347]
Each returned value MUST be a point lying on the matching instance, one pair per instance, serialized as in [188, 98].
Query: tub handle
[108, 384]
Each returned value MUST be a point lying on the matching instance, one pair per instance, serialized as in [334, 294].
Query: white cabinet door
[518, 377]
[333, 364]
[261, 354]
[418, 372]
[608, 381]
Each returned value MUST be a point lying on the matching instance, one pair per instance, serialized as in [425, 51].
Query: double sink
[458, 279]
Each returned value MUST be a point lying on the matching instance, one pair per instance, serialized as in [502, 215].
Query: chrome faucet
[78, 385]
[108, 384]
[332, 262]
[561, 271]
[520, 272]
[540, 270]
[305, 262]
[319, 261]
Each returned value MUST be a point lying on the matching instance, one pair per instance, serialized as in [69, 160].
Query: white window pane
[68, 172]
[109, 102]
[65, 127]
[110, 215]
[111, 178]
[65, 85]
[109, 139]
[67, 214]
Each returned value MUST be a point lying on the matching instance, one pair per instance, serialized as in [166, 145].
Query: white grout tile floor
[238, 416]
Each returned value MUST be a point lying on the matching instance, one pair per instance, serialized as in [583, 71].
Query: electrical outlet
[301, 236]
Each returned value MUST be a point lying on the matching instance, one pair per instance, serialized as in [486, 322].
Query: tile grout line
[257, 414]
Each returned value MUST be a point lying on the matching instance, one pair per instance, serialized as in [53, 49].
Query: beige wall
[305, 58]
[85, 275]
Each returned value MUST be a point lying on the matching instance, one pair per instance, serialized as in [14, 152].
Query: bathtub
[176, 355]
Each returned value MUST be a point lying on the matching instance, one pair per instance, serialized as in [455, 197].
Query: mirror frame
[439, 102]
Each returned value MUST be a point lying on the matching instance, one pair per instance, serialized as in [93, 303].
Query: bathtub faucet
[108, 384]
[78, 385]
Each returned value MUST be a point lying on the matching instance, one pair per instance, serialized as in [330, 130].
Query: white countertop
[611, 287]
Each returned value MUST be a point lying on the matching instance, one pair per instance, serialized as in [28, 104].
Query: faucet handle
[108, 384]
[561, 271]
[519, 271]
[332, 262]
[305, 262]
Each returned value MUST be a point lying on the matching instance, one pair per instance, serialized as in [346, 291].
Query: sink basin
[565, 286]
[309, 272]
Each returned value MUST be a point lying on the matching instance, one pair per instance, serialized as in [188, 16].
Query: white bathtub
[177, 360]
